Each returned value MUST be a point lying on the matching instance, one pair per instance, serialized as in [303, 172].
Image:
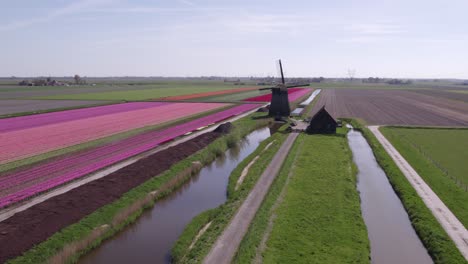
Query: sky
[393, 39]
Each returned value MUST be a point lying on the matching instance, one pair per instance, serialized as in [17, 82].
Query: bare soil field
[393, 107]
[19, 106]
[43, 220]
[460, 96]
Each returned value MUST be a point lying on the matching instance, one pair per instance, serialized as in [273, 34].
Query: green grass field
[440, 156]
[319, 218]
[233, 97]
[146, 92]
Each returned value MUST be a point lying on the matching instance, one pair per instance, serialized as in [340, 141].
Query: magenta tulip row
[32, 141]
[24, 122]
[298, 94]
[60, 171]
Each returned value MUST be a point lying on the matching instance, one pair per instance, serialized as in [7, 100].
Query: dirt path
[454, 228]
[227, 244]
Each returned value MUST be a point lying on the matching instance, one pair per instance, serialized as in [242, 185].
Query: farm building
[322, 123]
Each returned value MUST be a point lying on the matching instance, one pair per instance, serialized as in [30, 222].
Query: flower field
[207, 94]
[293, 94]
[22, 184]
[27, 136]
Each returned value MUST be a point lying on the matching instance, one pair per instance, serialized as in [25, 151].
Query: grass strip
[106, 215]
[308, 109]
[249, 246]
[220, 216]
[452, 194]
[433, 236]
[319, 219]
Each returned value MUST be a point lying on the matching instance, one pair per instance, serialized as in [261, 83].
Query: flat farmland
[23, 137]
[23, 183]
[209, 94]
[393, 107]
[460, 95]
[8, 107]
[439, 156]
[293, 95]
[144, 92]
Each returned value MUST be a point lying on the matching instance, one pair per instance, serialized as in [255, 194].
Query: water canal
[392, 238]
[151, 237]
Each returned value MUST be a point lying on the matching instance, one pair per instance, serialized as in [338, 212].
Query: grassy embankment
[435, 239]
[312, 213]
[34, 160]
[87, 234]
[219, 217]
[440, 157]
[306, 113]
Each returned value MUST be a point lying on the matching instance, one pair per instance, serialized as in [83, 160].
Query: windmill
[279, 106]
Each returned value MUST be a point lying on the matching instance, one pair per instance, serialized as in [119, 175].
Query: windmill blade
[298, 85]
[279, 67]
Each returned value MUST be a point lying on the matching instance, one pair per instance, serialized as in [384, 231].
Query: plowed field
[393, 107]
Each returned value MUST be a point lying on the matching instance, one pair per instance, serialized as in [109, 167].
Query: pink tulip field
[28, 136]
[80, 126]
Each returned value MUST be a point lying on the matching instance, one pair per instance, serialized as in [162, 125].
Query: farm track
[43, 220]
[21, 184]
[393, 107]
[228, 242]
[454, 228]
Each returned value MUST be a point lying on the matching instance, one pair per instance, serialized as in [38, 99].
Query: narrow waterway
[392, 238]
[151, 237]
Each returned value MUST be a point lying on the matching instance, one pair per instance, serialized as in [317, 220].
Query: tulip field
[24, 183]
[23, 137]
[293, 94]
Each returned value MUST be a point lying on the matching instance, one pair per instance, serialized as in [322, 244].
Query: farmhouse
[322, 123]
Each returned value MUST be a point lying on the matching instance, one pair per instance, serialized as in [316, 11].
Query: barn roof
[323, 111]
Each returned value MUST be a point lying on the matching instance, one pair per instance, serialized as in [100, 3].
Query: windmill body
[279, 106]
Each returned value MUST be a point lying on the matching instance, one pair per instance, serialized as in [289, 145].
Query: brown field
[454, 95]
[393, 107]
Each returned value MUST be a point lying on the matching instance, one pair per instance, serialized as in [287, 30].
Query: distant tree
[351, 74]
[77, 79]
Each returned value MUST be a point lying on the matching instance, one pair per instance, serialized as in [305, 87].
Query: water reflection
[150, 239]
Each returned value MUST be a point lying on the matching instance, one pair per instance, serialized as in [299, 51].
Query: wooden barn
[322, 123]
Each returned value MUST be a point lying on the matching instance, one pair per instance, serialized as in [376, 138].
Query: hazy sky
[394, 38]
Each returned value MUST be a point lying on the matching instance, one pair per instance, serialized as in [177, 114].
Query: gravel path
[227, 244]
[454, 228]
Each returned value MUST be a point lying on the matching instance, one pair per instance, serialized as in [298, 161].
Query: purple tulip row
[298, 94]
[73, 167]
[23, 122]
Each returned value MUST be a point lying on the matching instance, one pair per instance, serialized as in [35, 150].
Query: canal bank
[151, 237]
[392, 237]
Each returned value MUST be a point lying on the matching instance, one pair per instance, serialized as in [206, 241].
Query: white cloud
[53, 14]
